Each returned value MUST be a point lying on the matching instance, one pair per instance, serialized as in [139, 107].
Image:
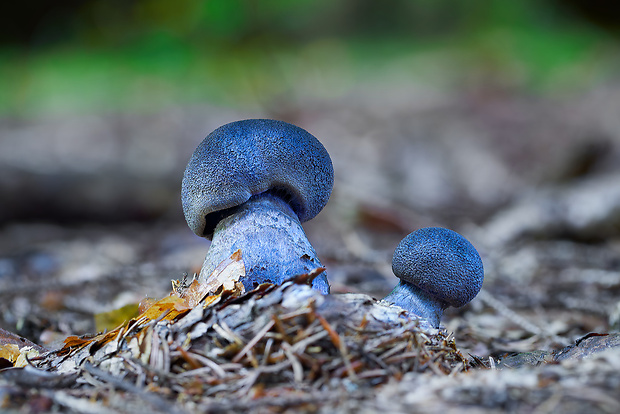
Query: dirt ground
[90, 221]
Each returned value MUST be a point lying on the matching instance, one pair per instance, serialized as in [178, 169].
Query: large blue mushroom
[248, 186]
[437, 268]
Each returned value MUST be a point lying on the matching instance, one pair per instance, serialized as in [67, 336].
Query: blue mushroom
[437, 268]
[248, 186]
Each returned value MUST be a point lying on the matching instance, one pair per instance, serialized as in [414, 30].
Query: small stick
[298, 371]
[188, 358]
[254, 341]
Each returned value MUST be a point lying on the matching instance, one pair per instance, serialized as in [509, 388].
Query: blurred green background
[102, 102]
[85, 56]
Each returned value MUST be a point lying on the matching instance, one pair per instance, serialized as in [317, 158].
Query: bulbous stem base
[274, 246]
[417, 302]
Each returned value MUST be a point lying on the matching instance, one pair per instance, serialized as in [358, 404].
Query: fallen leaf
[227, 274]
[17, 356]
[25, 354]
[10, 352]
[170, 307]
[77, 342]
[146, 303]
[195, 293]
[112, 319]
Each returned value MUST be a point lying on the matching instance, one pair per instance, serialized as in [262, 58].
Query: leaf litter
[213, 347]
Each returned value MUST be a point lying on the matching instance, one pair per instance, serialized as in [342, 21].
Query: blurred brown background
[498, 120]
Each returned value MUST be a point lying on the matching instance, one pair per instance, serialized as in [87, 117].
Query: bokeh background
[498, 119]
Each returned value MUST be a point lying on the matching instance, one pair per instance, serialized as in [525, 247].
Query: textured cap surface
[440, 262]
[249, 157]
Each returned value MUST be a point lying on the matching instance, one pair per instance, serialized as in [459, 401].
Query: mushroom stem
[417, 302]
[273, 243]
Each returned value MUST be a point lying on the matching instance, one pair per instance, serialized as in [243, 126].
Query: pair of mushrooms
[250, 184]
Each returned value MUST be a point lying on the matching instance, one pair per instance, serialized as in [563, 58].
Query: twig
[254, 341]
[298, 370]
[208, 364]
[301, 346]
[225, 332]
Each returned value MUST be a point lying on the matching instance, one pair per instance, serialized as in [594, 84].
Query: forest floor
[91, 222]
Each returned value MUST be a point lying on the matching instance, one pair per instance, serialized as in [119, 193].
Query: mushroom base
[417, 302]
[273, 244]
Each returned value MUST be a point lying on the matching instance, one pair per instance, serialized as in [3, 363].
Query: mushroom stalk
[272, 241]
[417, 302]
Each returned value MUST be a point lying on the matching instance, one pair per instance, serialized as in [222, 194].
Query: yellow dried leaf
[10, 352]
[170, 306]
[16, 355]
[145, 304]
[112, 319]
[212, 300]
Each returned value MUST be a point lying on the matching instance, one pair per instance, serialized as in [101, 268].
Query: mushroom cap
[440, 262]
[253, 156]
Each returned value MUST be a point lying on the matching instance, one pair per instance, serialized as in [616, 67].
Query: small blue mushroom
[437, 268]
[248, 186]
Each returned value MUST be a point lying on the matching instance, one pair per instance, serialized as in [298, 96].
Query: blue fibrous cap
[250, 157]
[440, 262]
